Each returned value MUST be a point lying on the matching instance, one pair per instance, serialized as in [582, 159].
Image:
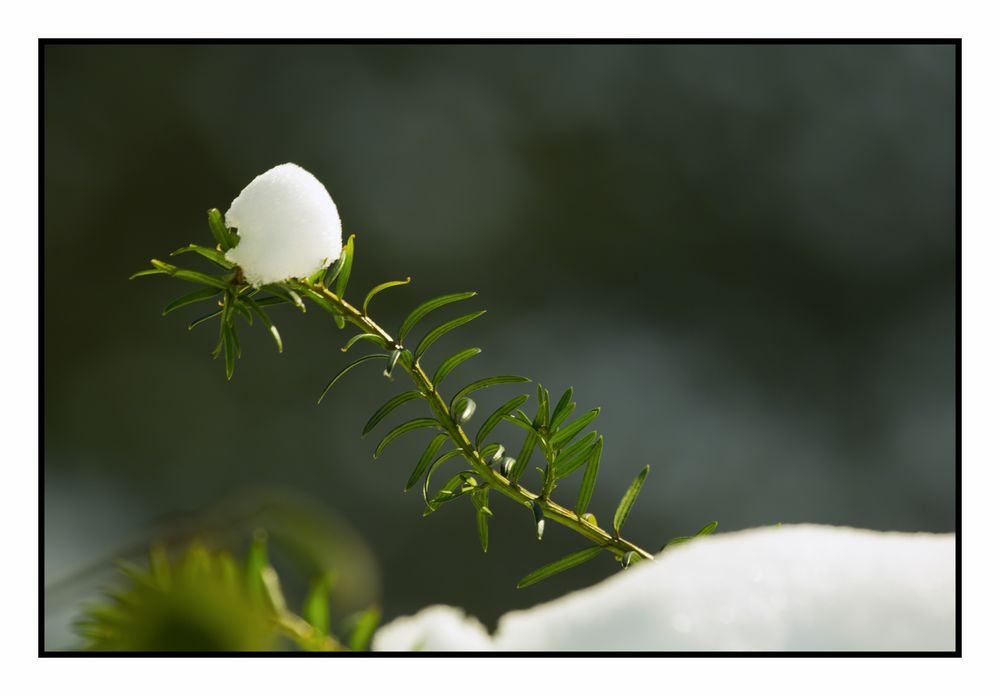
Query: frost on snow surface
[801, 587]
[287, 224]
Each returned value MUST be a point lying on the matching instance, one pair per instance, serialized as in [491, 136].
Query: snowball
[288, 226]
[801, 587]
[434, 628]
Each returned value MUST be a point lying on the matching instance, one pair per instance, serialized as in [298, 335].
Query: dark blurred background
[744, 254]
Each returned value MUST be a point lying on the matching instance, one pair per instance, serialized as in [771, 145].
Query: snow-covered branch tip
[280, 244]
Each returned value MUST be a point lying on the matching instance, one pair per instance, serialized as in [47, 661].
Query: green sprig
[552, 432]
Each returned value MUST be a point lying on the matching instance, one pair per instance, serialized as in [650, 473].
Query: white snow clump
[288, 226]
[434, 628]
[800, 587]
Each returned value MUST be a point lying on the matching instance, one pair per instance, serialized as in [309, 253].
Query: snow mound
[434, 628]
[801, 587]
[288, 226]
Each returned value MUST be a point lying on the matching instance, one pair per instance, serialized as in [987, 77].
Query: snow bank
[288, 226]
[802, 587]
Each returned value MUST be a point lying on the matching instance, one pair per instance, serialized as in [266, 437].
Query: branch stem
[299, 630]
[498, 482]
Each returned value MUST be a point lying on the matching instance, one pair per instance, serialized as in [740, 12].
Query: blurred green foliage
[205, 601]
